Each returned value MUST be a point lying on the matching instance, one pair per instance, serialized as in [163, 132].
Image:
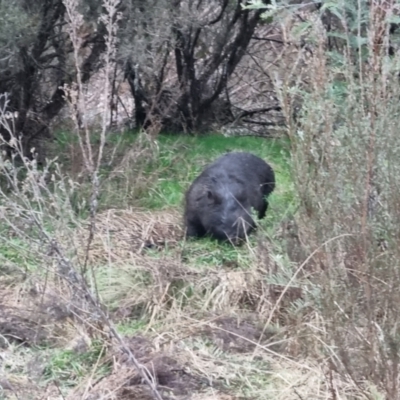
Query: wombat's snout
[235, 232]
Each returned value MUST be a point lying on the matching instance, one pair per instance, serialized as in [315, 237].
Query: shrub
[345, 151]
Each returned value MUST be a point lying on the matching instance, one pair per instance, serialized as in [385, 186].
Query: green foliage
[68, 366]
[132, 327]
[17, 252]
[17, 25]
[208, 253]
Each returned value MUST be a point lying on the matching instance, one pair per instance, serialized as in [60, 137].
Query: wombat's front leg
[194, 229]
[263, 209]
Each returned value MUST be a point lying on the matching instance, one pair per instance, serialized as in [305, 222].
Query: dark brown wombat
[219, 201]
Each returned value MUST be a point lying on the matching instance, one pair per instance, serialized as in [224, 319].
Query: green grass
[68, 366]
[181, 159]
[206, 252]
[132, 327]
[16, 252]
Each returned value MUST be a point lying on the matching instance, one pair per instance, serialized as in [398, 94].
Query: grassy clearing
[198, 304]
[164, 172]
[184, 158]
[210, 321]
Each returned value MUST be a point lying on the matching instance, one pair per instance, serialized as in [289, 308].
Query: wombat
[220, 199]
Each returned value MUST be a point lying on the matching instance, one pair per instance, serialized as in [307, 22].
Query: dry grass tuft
[124, 382]
[17, 388]
[31, 317]
[204, 337]
[162, 284]
[195, 360]
[122, 234]
[34, 317]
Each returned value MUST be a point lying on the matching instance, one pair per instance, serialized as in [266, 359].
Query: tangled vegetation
[101, 296]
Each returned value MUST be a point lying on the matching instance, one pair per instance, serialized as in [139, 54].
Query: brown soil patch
[233, 335]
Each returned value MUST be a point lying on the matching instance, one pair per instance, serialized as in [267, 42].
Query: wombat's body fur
[219, 201]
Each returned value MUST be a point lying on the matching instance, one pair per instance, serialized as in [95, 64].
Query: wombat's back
[244, 167]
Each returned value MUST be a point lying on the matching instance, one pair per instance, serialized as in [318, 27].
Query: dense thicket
[35, 61]
[182, 56]
[177, 57]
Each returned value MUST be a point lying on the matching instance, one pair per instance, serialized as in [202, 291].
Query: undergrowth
[102, 297]
[158, 288]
